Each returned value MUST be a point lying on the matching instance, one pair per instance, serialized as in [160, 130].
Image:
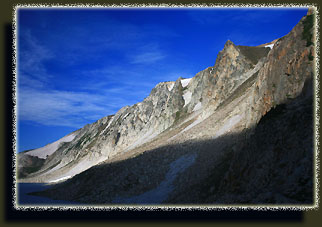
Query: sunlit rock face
[213, 138]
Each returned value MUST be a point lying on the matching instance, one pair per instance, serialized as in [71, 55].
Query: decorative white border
[315, 206]
[317, 106]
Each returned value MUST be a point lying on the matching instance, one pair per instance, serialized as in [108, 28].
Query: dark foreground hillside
[275, 165]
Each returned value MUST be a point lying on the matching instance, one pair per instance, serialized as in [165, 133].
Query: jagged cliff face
[288, 66]
[184, 131]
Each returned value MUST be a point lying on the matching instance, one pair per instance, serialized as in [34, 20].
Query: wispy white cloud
[111, 36]
[147, 54]
[99, 91]
[147, 58]
[75, 109]
[24, 80]
[31, 58]
[122, 76]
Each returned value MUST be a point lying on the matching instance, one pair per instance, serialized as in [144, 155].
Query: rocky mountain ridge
[167, 103]
[158, 150]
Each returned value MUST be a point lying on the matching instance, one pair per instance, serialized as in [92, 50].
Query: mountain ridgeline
[240, 131]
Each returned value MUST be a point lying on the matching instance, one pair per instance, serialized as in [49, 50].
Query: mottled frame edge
[201, 207]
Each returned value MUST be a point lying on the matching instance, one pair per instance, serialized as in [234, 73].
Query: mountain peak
[229, 43]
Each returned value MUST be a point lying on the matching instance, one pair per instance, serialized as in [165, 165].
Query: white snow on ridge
[270, 45]
[197, 106]
[50, 148]
[171, 86]
[185, 82]
[108, 125]
[187, 97]
[125, 116]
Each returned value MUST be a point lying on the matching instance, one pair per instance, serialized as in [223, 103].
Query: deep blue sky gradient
[78, 65]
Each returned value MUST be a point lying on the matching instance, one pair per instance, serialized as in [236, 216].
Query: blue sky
[76, 66]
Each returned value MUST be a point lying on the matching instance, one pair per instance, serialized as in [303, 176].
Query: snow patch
[197, 106]
[270, 45]
[170, 87]
[187, 128]
[108, 125]
[145, 138]
[161, 193]
[228, 125]
[125, 116]
[185, 82]
[60, 165]
[187, 97]
[192, 125]
[50, 148]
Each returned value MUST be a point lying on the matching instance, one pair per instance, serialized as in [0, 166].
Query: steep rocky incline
[185, 142]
